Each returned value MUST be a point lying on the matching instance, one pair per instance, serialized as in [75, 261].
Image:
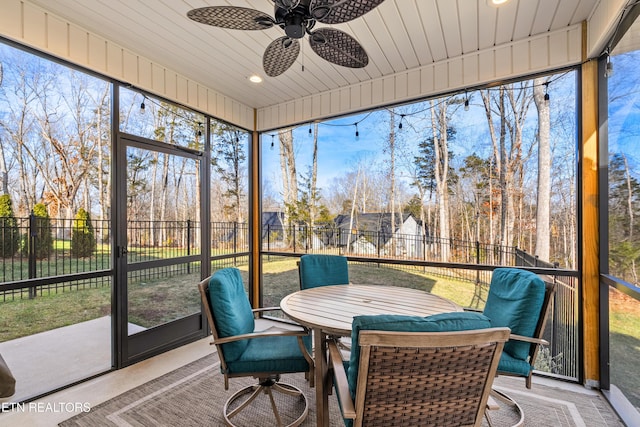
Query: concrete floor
[52, 359]
[54, 408]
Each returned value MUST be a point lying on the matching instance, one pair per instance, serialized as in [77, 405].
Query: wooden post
[590, 215]
[255, 215]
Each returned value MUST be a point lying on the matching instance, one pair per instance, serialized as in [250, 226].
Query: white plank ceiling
[399, 35]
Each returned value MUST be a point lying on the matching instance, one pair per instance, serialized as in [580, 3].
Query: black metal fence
[37, 248]
[561, 357]
[150, 241]
[378, 244]
[43, 249]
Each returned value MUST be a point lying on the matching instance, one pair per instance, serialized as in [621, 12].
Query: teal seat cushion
[510, 365]
[279, 354]
[322, 270]
[515, 300]
[454, 321]
[232, 313]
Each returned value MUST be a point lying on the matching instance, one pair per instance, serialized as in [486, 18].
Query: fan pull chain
[302, 49]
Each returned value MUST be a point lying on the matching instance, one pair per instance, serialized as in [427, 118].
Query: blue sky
[339, 151]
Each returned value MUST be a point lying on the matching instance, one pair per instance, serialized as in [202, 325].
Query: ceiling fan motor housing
[294, 21]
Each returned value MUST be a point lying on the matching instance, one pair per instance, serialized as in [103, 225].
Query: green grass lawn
[624, 342]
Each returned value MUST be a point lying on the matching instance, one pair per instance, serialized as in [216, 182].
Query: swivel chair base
[268, 386]
[507, 400]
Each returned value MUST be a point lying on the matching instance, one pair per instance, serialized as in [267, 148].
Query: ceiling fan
[297, 18]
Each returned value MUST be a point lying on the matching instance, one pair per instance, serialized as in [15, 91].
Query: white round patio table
[329, 310]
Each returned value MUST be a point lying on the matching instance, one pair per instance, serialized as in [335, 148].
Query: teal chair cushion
[271, 354]
[231, 310]
[454, 321]
[321, 270]
[510, 365]
[515, 300]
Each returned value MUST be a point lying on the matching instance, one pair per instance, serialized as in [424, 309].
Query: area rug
[194, 395]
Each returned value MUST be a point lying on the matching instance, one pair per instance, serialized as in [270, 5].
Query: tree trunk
[152, 208]
[439, 126]
[4, 173]
[392, 178]
[289, 174]
[353, 211]
[103, 188]
[313, 196]
[543, 206]
[627, 176]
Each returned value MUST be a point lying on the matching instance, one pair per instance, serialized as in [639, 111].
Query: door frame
[129, 349]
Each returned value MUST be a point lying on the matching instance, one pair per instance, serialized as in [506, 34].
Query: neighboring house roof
[271, 222]
[379, 221]
[272, 218]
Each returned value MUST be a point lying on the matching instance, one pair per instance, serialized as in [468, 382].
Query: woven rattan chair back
[426, 379]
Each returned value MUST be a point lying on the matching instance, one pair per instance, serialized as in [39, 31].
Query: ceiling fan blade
[338, 47]
[338, 11]
[280, 55]
[287, 4]
[235, 18]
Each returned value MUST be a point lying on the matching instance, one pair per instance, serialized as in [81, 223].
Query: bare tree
[18, 125]
[313, 208]
[4, 172]
[543, 203]
[289, 174]
[392, 177]
[508, 105]
[440, 137]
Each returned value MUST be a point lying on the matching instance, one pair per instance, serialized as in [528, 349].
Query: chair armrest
[340, 381]
[276, 319]
[261, 309]
[262, 334]
[528, 339]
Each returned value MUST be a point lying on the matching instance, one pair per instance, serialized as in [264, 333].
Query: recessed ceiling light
[255, 79]
[496, 3]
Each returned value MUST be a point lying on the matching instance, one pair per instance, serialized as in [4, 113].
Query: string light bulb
[401, 117]
[199, 129]
[142, 106]
[546, 91]
[272, 142]
[357, 133]
[310, 131]
[608, 68]
[466, 101]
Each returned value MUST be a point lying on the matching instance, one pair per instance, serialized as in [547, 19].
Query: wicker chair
[243, 352]
[417, 378]
[520, 300]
